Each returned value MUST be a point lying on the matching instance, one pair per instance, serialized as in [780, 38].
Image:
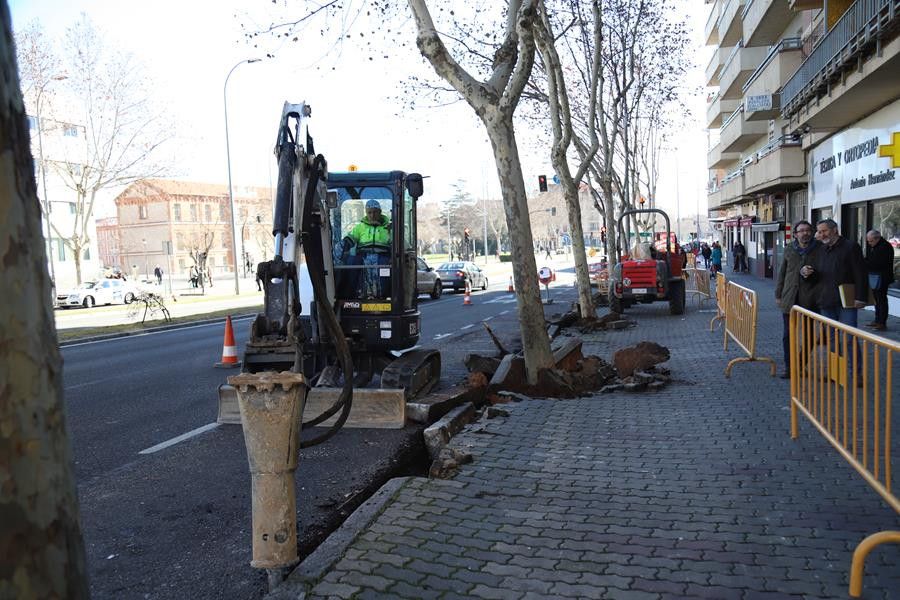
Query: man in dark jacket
[840, 262]
[740, 256]
[880, 268]
[794, 288]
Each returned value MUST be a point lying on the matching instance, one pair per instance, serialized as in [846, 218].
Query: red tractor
[647, 279]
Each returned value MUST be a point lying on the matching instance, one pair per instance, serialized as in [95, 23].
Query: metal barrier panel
[841, 380]
[721, 295]
[741, 310]
[697, 283]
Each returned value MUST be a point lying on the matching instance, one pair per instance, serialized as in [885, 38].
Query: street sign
[556, 179]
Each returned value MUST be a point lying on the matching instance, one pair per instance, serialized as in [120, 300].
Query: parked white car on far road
[91, 293]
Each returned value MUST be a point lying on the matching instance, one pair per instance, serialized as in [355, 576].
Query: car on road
[455, 274]
[91, 293]
[427, 280]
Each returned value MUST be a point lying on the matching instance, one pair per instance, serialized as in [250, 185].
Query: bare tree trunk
[41, 549]
[76, 251]
[535, 342]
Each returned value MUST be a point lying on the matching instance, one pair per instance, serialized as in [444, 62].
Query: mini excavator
[331, 311]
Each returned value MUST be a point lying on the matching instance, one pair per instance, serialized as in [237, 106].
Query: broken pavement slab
[438, 435]
[437, 404]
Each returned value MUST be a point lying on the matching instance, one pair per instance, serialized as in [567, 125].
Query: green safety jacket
[372, 238]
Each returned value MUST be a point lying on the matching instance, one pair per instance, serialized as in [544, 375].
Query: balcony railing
[856, 32]
[793, 43]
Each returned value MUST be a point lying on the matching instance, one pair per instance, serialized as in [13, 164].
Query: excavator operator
[372, 239]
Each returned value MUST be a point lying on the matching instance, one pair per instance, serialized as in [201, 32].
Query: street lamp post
[237, 289]
[146, 261]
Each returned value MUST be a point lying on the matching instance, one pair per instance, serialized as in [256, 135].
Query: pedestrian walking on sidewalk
[706, 253]
[715, 256]
[880, 268]
[798, 282]
[740, 257]
[158, 273]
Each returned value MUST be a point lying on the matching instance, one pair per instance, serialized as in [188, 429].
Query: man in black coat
[880, 267]
[740, 256]
[840, 262]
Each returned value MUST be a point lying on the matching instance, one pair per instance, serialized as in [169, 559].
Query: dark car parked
[455, 274]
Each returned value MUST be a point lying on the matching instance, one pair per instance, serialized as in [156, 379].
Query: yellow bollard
[271, 406]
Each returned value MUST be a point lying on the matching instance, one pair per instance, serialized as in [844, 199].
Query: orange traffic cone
[510, 289]
[229, 348]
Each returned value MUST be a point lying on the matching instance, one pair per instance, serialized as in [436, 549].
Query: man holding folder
[842, 273]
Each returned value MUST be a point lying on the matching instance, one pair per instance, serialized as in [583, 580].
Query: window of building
[70, 130]
[86, 255]
[142, 211]
[224, 241]
[207, 212]
[176, 211]
[60, 250]
[179, 241]
[72, 208]
[193, 212]
[181, 264]
[222, 212]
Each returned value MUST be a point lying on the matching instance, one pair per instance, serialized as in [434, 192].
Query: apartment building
[804, 120]
[167, 223]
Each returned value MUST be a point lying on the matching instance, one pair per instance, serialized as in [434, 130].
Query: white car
[91, 293]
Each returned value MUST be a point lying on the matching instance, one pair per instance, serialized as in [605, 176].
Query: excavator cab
[373, 228]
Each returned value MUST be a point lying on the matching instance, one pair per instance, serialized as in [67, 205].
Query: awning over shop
[770, 226]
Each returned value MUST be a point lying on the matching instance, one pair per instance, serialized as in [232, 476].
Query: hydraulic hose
[312, 249]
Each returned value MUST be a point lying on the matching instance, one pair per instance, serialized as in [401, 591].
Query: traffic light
[642, 200]
[542, 183]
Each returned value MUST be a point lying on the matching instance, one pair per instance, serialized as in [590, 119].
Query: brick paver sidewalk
[696, 491]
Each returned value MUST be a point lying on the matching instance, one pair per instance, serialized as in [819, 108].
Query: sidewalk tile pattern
[696, 491]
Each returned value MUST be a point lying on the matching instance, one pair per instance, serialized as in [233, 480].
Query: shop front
[855, 180]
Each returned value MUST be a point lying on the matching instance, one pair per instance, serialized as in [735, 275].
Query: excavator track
[417, 372]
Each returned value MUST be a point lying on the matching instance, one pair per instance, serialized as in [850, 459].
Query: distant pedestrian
[549, 257]
[158, 273]
[798, 283]
[706, 253]
[880, 268]
[740, 257]
[194, 276]
[715, 255]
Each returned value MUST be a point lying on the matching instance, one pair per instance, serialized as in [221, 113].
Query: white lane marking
[442, 335]
[467, 326]
[486, 319]
[139, 335]
[503, 313]
[180, 438]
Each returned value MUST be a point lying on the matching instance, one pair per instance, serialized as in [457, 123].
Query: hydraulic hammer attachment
[274, 343]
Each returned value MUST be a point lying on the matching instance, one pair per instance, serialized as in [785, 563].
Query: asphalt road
[174, 522]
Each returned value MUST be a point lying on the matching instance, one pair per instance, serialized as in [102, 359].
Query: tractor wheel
[615, 304]
[676, 297]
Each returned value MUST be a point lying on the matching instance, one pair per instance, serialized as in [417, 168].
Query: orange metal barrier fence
[741, 310]
[721, 294]
[697, 283]
[841, 380]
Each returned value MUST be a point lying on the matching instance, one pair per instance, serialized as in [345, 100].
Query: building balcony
[857, 59]
[711, 31]
[798, 5]
[716, 159]
[714, 198]
[714, 68]
[781, 164]
[739, 66]
[738, 133]
[764, 21]
[717, 109]
[781, 62]
[733, 187]
[729, 25]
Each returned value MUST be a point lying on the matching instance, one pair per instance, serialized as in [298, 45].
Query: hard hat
[373, 204]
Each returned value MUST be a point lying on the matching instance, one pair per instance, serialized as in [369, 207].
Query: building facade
[800, 87]
[170, 223]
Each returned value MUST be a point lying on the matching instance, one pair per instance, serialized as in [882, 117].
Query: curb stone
[316, 565]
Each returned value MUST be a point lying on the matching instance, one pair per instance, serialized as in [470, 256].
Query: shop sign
[859, 163]
[746, 221]
[731, 222]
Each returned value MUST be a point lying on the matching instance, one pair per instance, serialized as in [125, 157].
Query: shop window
[886, 219]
